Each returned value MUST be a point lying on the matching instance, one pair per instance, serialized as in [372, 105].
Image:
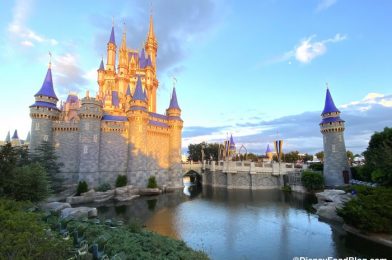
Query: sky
[254, 69]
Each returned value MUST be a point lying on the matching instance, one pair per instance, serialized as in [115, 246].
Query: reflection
[151, 204]
[192, 191]
[120, 209]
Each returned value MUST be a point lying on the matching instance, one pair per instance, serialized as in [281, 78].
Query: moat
[243, 224]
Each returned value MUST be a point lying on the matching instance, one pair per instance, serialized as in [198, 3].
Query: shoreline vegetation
[30, 233]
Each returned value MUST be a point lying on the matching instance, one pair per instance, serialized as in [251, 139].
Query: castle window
[85, 149]
[95, 138]
[340, 138]
[46, 137]
[333, 148]
[36, 126]
[87, 126]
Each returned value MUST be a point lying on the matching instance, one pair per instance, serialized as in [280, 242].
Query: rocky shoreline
[330, 200]
[66, 209]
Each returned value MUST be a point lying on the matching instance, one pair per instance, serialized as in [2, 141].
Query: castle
[335, 156]
[118, 132]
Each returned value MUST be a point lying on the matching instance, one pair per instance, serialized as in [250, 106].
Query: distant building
[335, 156]
[15, 140]
[118, 132]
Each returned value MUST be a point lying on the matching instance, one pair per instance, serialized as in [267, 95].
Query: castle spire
[112, 38]
[15, 135]
[151, 34]
[101, 66]
[139, 93]
[47, 86]
[173, 100]
[329, 106]
[124, 40]
[8, 137]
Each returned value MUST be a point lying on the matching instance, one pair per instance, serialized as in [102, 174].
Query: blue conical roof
[28, 137]
[232, 144]
[47, 86]
[329, 106]
[15, 135]
[112, 38]
[139, 94]
[128, 92]
[101, 66]
[268, 149]
[173, 100]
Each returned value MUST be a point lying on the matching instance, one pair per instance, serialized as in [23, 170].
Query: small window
[36, 126]
[87, 127]
[333, 148]
[46, 137]
[85, 149]
[95, 138]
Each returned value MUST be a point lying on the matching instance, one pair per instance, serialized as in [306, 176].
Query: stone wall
[335, 158]
[67, 149]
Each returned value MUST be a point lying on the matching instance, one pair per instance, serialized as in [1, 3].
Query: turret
[123, 64]
[138, 121]
[111, 52]
[175, 124]
[90, 115]
[43, 112]
[101, 77]
[269, 153]
[8, 137]
[28, 138]
[151, 44]
[15, 141]
[335, 156]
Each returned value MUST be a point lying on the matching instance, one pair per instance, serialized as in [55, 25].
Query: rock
[149, 192]
[103, 196]
[126, 197]
[328, 202]
[79, 199]
[55, 206]
[79, 212]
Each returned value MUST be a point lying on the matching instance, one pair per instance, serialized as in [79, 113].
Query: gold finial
[326, 83]
[50, 60]
[112, 21]
[151, 8]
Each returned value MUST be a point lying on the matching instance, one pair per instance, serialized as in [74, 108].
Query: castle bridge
[242, 174]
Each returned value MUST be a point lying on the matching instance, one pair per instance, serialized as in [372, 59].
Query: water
[243, 224]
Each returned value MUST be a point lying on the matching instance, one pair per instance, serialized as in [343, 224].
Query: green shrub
[312, 180]
[152, 182]
[82, 187]
[29, 183]
[24, 235]
[103, 187]
[121, 181]
[286, 188]
[361, 173]
[370, 211]
[316, 167]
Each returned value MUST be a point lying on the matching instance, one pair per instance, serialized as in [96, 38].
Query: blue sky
[256, 69]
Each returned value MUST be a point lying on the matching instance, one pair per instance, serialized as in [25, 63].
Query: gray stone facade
[335, 158]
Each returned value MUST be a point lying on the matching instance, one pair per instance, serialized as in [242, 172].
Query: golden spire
[151, 34]
[124, 39]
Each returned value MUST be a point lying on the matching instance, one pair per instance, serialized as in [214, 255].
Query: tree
[46, 156]
[350, 156]
[307, 157]
[210, 151]
[378, 157]
[8, 161]
[29, 182]
[291, 157]
[320, 156]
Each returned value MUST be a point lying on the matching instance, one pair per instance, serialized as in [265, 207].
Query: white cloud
[369, 101]
[18, 29]
[307, 50]
[325, 4]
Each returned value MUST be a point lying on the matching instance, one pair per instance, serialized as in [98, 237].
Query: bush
[286, 188]
[82, 187]
[152, 182]
[24, 235]
[361, 173]
[370, 211]
[121, 181]
[28, 183]
[312, 180]
[103, 187]
[316, 167]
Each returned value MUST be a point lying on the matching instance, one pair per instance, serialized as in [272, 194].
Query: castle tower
[151, 47]
[137, 135]
[101, 78]
[8, 137]
[15, 141]
[28, 138]
[90, 115]
[335, 156]
[175, 124]
[43, 112]
[269, 153]
[122, 76]
[111, 52]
